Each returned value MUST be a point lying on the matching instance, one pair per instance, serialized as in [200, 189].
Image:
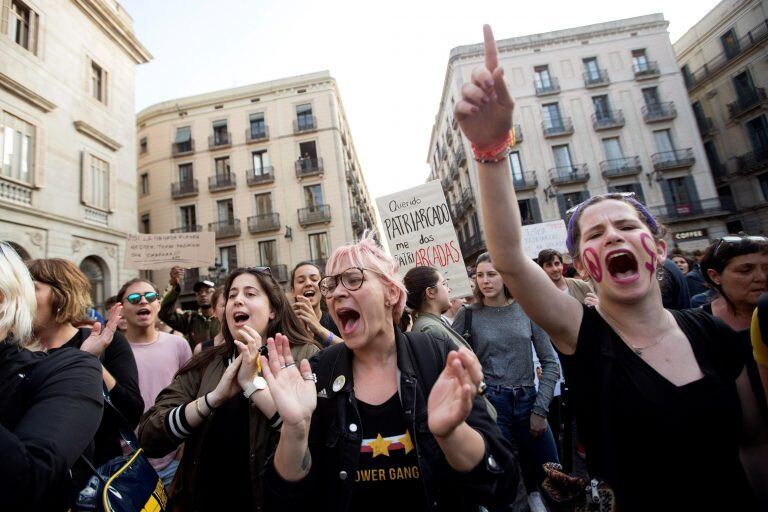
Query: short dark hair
[719, 253]
[547, 255]
[121, 293]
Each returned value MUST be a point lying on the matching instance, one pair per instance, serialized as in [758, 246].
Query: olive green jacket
[194, 325]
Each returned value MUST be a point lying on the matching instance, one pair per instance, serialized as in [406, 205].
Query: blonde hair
[367, 254]
[70, 288]
[17, 296]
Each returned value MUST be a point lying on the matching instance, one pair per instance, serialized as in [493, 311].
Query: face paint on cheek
[648, 244]
[595, 269]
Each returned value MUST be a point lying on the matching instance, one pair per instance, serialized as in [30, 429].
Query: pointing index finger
[491, 52]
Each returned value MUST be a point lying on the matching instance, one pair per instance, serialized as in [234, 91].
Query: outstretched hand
[450, 400]
[485, 109]
[100, 338]
[292, 387]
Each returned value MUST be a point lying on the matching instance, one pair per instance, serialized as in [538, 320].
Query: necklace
[635, 348]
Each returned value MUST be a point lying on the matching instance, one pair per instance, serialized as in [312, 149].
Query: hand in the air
[176, 274]
[485, 109]
[304, 311]
[100, 338]
[249, 350]
[292, 386]
[450, 400]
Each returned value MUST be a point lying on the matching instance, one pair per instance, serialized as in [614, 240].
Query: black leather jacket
[335, 447]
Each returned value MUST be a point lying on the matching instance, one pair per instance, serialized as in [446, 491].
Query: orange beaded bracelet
[495, 153]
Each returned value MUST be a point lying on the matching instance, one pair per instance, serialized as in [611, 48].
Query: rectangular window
[183, 141]
[517, 166]
[313, 196]
[602, 107]
[17, 139]
[260, 162]
[22, 25]
[308, 150]
[98, 83]
[258, 125]
[529, 210]
[268, 253]
[220, 134]
[263, 203]
[562, 155]
[640, 61]
[757, 129]
[744, 86]
[591, 69]
[714, 159]
[144, 184]
[763, 180]
[687, 76]
[612, 149]
[144, 224]
[635, 188]
[187, 217]
[304, 118]
[730, 44]
[663, 141]
[222, 167]
[543, 78]
[570, 199]
[318, 246]
[552, 117]
[651, 97]
[225, 211]
[98, 183]
[228, 258]
[143, 145]
[185, 173]
[680, 196]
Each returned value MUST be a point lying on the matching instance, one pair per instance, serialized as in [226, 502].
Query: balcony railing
[257, 134]
[219, 182]
[472, 245]
[467, 198]
[747, 102]
[183, 148]
[706, 126]
[357, 220]
[569, 174]
[683, 211]
[525, 181]
[260, 176]
[304, 124]
[557, 127]
[279, 272]
[219, 140]
[309, 167]
[596, 79]
[184, 189]
[351, 177]
[646, 70]
[264, 222]
[656, 112]
[225, 228]
[320, 213]
[187, 229]
[461, 156]
[449, 137]
[447, 183]
[457, 212]
[675, 159]
[518, 133]
[752, 161]
[547, 87]
[608, 120]
[618, 167]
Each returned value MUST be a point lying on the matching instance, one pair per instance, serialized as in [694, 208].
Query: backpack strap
[467, 334]
[422, 350]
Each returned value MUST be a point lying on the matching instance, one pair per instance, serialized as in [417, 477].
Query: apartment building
[67, 133]
[599, 108]
[270, 168]
[725, 69]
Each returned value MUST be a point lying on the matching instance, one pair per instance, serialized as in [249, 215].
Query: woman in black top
[63, 293]
[50, 406]
[305, 279]
[659, 394]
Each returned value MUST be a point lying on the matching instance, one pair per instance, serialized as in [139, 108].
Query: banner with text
[546, 235]
[158, 251]
[419, 231]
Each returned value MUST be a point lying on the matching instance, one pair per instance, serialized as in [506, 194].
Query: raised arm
[485, 116]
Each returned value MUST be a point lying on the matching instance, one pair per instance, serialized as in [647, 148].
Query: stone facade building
[598, 108]
[67, 133]
[270, 168]
[723, 59]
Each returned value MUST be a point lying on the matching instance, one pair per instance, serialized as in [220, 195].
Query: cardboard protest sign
[419, 230]
[546, 235]
[151, 252]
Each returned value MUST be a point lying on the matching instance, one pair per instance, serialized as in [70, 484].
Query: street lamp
[217, 272]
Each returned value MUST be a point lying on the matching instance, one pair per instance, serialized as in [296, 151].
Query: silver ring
[283, 367]
[482, 388]
[313, 378]
[289, 365]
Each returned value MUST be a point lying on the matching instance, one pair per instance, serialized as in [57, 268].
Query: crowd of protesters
[359, 389]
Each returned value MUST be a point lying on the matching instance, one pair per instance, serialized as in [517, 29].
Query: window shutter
[693, 194]
[84, 188]
[562, 205]
[534, 202]
[112, 187]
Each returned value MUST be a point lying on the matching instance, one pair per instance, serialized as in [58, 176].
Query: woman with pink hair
[385, 420]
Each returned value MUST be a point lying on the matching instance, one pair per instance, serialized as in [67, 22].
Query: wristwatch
[257, 384]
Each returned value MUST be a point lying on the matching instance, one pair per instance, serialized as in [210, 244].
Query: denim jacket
[334, 439]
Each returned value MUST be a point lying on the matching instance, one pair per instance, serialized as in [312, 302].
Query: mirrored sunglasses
[135, 298]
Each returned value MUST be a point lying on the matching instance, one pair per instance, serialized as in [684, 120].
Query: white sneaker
[536, 503]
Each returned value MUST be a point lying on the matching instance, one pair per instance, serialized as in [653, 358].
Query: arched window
[23, 254]
[93, 269]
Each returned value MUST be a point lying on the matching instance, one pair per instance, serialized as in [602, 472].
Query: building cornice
[98, 136]
[716, 27]
[39, 213]
[115, 29]
[26, 94]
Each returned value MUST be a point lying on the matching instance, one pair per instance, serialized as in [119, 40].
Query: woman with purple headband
[662, 399]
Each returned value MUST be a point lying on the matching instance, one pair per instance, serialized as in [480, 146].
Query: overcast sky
[388, 58]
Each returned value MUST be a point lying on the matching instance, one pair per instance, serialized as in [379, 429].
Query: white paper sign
[546, 235]
[419, 231]
[156, 251]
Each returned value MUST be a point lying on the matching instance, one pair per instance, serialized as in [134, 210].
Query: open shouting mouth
[240, 318]
[144, 314]
[622, 266]
[349, 319]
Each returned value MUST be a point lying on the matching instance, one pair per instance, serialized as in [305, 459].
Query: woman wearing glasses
[159, 355]
[396, 423]
[218, 405]
[662, 397]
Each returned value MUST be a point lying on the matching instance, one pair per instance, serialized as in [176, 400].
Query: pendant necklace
[635, 348]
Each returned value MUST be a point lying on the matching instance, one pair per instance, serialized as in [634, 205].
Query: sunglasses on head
[260, 270]
[135, 298]
[627, 195]
[731, 240]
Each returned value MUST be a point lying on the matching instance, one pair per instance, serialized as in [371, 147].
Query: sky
[388, 58]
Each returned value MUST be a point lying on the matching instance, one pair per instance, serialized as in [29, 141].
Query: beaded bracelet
[495, 153]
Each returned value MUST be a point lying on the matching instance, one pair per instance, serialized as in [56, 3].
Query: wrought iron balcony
[546, 87]
[225, 228]
[357, 220]
[461, 156]
[317, 214]
[680, 212]
[747, 102]
[187, 229]
[557, 127]
[596, 79]
[260, 176]
[264, 222]
[646, 70]
[618, 167]
[656, 112]
[449, 136]
[257, 133]
[752, 161]
[183, 148]
[304, 124]
[184, 189]
[447, 183]
[306, 167]
[219, 140]
[453, 171]
[526, 181]
[706, 126]
[472, 245]
[607, 120]
[569, 174]
[351, 177]
[467, 198]
[675, 159]
[219, 182]
[279, 272]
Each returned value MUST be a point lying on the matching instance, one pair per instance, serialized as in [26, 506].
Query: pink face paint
[592, 261]
[648, 245]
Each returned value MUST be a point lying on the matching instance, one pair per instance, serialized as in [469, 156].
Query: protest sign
[419, 230]
[546, 235]
[157, 251]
